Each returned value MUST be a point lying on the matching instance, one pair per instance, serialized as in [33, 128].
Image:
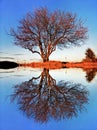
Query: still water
[42, 99]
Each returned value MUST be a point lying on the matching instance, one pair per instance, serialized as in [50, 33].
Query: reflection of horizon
[42, 98]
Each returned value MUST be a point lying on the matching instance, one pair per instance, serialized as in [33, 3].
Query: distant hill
[8, 65]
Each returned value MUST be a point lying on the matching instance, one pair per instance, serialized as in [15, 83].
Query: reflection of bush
[90, 74]
[41, 98]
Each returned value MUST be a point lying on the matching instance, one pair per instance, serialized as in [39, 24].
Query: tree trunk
[46, 59]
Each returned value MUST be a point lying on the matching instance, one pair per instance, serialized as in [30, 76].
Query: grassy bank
[58, 65]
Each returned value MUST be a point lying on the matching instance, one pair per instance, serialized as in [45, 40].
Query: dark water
[41, 99]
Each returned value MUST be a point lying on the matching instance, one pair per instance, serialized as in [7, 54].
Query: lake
[42, 99]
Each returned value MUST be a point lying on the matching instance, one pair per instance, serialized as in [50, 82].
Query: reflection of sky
[12, 11]
[15, 119]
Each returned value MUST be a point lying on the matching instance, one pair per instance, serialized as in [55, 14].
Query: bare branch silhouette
[42, 98]
[41, 31]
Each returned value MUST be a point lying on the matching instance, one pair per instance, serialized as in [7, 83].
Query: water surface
[34, 99]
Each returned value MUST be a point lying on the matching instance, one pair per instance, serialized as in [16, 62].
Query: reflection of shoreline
[89, 67]
[42, 98]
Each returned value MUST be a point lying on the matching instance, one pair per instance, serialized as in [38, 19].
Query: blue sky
[12, 11]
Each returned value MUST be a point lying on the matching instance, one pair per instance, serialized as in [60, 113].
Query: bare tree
[41, 31]
[42, 98]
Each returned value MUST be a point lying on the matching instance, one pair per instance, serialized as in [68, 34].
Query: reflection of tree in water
[90, 74]
[42, 98]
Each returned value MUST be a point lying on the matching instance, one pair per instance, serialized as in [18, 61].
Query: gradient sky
[11, 11]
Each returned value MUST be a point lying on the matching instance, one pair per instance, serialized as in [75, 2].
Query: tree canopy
[41, 31]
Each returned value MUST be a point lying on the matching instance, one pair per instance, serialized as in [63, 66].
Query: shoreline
[49, 65]
[59, 65]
